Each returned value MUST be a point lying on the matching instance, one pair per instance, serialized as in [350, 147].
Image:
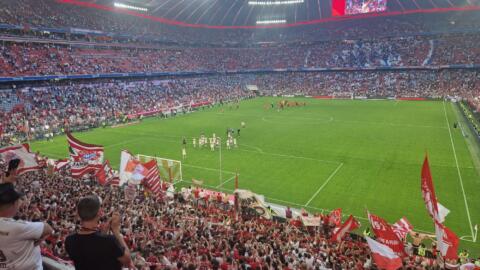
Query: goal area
[170, 170]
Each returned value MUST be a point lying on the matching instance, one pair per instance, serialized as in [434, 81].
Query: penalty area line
[325, 183]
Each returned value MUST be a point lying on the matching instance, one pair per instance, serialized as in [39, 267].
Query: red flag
[447, 241]
[350, 224]
[335, 217]
[86, 158]
[101, 176]
[428, 191]
[437, 211]
[385, 234]
[383, 255]
[60, 164]
[105, 174]
[152, 179]
[402, 227]
[28, 160]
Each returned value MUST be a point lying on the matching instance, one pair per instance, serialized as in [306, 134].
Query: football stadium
[239, 134]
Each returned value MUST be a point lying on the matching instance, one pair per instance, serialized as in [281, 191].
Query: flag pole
[236, 180]
[220, 161]
[476, 233]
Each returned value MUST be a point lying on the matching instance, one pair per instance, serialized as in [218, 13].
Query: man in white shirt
[19, 240]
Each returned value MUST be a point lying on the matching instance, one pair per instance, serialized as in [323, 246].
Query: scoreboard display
[353, 7]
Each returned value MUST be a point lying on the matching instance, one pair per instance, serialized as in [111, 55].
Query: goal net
[170, 170]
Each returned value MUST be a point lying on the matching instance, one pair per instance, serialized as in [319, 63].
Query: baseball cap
[8, 194]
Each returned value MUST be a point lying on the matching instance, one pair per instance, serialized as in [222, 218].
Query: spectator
[90, 249]
[288, 212]
[19, 240]
[10, 175]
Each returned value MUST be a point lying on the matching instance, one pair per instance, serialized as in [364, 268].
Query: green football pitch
[328, 154]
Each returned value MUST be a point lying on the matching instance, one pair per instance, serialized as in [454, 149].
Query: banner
[152, 179]
[350, 224]
[28, 160]
[131, 169]
[447, 241]
[335, 217]
[383, 255]
[311, 221]
[402, 227]
[385, 235]
[437, 211]
[85, 158]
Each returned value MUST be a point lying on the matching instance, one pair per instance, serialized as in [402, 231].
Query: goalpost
[170, 170]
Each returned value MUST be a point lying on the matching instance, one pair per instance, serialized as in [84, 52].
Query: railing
[227, 72]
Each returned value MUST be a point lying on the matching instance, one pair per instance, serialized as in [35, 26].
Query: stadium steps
[428, 60]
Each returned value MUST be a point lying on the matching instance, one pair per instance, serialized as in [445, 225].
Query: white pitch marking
[324, 184]
[226, 181]
[458, 171]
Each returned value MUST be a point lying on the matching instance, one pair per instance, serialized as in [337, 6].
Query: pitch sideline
[458, 171]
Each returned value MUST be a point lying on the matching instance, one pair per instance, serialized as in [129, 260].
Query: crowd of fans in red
[36, 111]
[22, 59]
[51, 109]
[186, 230]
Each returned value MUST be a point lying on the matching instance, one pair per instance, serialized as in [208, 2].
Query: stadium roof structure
[231, 14]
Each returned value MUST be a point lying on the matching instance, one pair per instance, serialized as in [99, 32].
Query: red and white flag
[402, 227]
[385, 235]
[60, 164]
[85, 158]
[131, 169]
[384, 256]
[350, 224]
[335, 217]
[106, 176]
[28, 160]
[152, 179]
[447, 241]
[437, 211]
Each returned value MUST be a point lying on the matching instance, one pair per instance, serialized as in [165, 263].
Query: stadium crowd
[21, 59]
[42, 111]
[50, 13]
[34, 111]
[190, 230]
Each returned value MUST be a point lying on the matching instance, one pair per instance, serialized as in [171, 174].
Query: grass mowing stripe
[458, 171]
[324, 184]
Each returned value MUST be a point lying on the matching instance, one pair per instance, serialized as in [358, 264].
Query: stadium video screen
[353, 7]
